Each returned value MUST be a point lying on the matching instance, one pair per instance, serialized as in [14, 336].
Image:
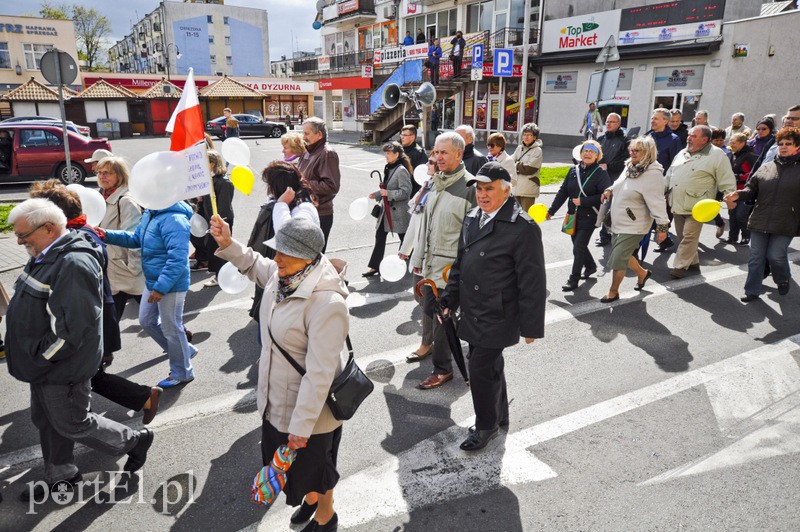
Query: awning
[702, 46]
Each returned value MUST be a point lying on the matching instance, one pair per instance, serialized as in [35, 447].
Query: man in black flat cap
[498, 280]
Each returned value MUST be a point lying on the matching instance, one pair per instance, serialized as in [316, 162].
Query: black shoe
[38, 492]
[747, 298]
[330, 526]
[600, 242]
[783, 288]
[138, 455]
[732, 241]
[304, 513]
[588, 272]
[745, 242]
[370, 273]
[606, 299]
[503, 425]
[570, 286]
[479, 439]
[665, 245]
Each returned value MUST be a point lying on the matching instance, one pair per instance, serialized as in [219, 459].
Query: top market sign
[580, 33]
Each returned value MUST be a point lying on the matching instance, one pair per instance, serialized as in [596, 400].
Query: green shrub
[4, 226]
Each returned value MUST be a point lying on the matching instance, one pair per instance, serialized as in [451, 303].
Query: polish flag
[186, 122]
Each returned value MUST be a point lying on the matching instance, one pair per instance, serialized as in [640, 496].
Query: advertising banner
[671, 78]
[584, 32]
[561, 81]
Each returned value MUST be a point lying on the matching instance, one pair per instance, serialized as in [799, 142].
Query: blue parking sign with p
[477, 56]
[503, 62]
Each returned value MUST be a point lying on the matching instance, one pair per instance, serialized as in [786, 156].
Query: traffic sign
[603, 85]
[477, 57]
[56, 60]
[610, 52]
[476, 74]
[503, 63]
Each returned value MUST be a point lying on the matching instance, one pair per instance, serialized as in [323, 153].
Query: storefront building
[668, 59]
[365, 39]
[23, 42]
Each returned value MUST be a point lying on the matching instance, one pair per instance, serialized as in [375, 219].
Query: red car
[35, 151]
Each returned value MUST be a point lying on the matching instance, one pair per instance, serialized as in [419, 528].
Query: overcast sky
[289, 20]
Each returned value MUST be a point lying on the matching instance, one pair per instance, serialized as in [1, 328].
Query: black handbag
[377, 210]
[348, 389]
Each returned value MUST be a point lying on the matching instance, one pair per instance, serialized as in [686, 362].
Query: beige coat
[507, 162]
[124, 264]
[311, 325]
[698, 176]
[528, 160]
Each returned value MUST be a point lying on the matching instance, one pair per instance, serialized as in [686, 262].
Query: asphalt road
[677, 408]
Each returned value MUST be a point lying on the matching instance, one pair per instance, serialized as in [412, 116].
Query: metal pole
[501, 107]
[523, 89]
[64, 132]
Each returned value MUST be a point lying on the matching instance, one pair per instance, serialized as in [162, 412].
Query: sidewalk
[12, 255]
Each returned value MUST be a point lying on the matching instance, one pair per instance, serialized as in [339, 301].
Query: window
[37, 138]
[441, 24]
[34, 53]
[210, 39]
[5, 56]
[210, 19]
[225, 20]
[227, 41]
[228, 60]
[479, 17]
[213, 59]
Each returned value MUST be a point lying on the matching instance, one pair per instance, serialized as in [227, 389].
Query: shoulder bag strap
[578, 174]
[294, 363]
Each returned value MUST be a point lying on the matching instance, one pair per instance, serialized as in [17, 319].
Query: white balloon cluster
[156, 181]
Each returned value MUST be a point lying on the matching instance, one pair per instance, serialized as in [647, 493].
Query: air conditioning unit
[390, 12]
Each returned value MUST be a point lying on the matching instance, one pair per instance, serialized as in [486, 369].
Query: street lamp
[177, 55]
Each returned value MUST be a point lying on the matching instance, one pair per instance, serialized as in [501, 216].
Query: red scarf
[77, 222]
[107, 193]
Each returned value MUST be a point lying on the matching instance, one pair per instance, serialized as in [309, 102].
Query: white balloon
[236, 152]
[199, 226]
[576, 152]
[392, 268]
[158, 179]
[92, 203]
[359, 209]
[421, 174]
[230, 280]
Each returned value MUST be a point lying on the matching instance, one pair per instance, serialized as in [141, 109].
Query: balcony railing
[513, 37]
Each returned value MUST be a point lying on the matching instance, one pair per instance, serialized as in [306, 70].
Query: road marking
[436, 470]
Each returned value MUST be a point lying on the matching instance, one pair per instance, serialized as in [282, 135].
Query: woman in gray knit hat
[303, 312]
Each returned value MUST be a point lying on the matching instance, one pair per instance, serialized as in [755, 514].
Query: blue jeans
[163, 321]
[767, 247]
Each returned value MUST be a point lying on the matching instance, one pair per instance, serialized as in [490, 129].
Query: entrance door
[687, 102]
[494, 114]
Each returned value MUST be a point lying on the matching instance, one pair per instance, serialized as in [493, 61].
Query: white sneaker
[211, 282]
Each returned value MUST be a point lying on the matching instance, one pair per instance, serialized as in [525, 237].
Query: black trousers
[582, 257]
[487, 383]
[325, 223]
[121, 299]
[120, 390]
[442, 355]
[380, 246]
[457, 65]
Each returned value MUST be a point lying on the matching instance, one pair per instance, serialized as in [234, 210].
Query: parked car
[248, 125]
[71, 126]
[31, 151]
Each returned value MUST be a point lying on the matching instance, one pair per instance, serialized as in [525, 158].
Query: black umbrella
[449, 328]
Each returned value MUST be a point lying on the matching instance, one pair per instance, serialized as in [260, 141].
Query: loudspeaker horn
[425, 94]
[393, 95]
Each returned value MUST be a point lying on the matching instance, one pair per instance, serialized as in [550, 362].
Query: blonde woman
[223, 188]
[293, 146]
[122, 213]
[638, 201]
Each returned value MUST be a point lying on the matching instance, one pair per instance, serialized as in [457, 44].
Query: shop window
[34, 53]
[5, 56]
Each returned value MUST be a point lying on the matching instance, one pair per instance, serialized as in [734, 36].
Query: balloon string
[213, 198]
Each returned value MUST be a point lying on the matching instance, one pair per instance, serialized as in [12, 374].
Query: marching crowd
[467, 235]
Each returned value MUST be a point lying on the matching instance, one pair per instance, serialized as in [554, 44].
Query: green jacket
[698, 176]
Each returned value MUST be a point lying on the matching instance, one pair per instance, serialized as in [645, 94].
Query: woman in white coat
[303, 311]
[496, 144]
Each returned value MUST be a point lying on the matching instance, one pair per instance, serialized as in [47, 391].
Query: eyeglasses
[490, 145]
[786, 144]
[106, 172]
[612, 121]
[29, 233]
[407, 135]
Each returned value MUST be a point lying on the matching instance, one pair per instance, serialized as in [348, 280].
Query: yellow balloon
[538, 212]
[242, 178]
[705, 210]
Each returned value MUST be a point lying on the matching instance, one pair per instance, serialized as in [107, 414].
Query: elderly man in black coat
[498, 280]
